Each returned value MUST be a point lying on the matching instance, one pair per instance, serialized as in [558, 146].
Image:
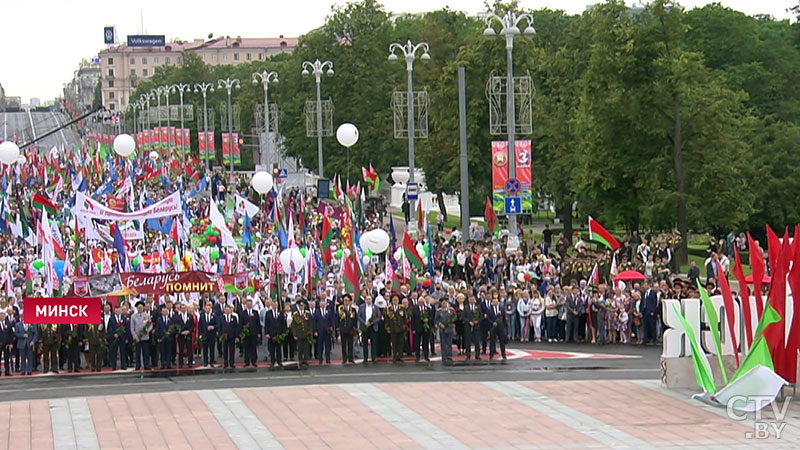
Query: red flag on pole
[757, 265]
[727, 299]
[744, 292]
[488, 215]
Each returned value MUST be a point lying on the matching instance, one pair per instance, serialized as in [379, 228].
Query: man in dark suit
[369, 317]
[6, 342]
[348, 327]
[311, 307]
[185, 326]
[445, 323]
[116, 333]
[208, 330]
[26, 343]
[573, 313]
[251, 320]
[485, 305]
[323, 331]
[649, 309]
[422, 317]
[72, 338]
[274, 326]
[165, 339]
[497, 332]
[229, 336]
[471, 317]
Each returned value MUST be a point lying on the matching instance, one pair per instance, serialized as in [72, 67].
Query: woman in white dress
[537, 310]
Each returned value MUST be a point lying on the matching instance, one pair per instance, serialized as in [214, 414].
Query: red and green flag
[371, 177]
[599, 234]
[28, 279]
[411, 253]
[39, 201]
[327, 237]
[350, 276]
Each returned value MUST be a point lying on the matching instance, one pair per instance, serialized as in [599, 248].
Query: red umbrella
[749, 279]
[629, 275]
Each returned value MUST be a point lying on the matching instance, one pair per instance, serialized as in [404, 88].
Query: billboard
[146, 40]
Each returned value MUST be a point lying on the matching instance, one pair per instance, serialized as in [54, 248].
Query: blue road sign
[283, 173]
[513, 205]
[513, 186]
[412, 191]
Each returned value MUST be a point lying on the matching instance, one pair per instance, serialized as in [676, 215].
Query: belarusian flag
[420, 217]
[371, 177]
[758, 354]
[327, 236]
[601, 235]
[488, 215]
[350, 276]
[411, 253]
[39, 201]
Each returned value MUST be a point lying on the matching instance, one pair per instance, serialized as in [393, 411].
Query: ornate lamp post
[317, 68]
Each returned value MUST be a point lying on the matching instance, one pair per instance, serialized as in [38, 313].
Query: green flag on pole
[759, 354]
[702, 368]
[713, 324]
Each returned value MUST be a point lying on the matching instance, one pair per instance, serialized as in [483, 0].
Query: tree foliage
[654, 116]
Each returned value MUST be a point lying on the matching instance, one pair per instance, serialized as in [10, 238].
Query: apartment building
[123, 67]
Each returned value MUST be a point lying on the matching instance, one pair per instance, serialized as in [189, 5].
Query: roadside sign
[412, 191]
[283, 173]
[512, 186]
[513, 205]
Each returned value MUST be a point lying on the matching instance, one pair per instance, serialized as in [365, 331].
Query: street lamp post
[203, 87]
[134, 104]
[266, 78]
[317, 69]
[181, 88]
[409, 52]
[146, 97]
[228, 84]
[510, 29]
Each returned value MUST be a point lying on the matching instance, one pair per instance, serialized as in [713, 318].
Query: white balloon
[9, 152]
[153, 155]
[347, 134]
[292, 255]
[398, 253]
[365, 260]
[124, 144]
[346, 253]
[376, 241]
[521, 277]
[262, 182]
[22, 159]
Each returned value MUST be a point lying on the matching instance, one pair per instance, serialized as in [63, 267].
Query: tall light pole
[181, 88]
[409, 52]
[203, 87]
[134, 104]
[510, 29]
[266, 78]
[228, 84]
[169, 131]
[146, 97]
[317, 68]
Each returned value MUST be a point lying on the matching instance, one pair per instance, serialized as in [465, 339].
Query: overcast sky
[45, 39]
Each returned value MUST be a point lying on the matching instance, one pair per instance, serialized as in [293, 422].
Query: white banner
[86, 207]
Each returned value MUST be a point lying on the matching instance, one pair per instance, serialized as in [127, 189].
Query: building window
[180, 59]
[133, 83]
[144, 60]
[111, 95]
[110, 83]
[166, 59]
[260, 56]
[144, 73]
[248, 57]
[155, 59]
[111, 72]
[133, 72]
[133, 60]
[214, 57]
[111, 106]
[235, 56]
[224, 56]
[110, 61]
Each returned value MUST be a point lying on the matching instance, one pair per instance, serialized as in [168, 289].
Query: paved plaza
[400, 415]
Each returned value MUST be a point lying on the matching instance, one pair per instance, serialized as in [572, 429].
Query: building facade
[123, 67]
[79, 92]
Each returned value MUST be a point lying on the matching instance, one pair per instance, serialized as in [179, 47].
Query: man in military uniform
[396, 326]
[51, 341]
[95, 335]
[301, 330]
[348, 321]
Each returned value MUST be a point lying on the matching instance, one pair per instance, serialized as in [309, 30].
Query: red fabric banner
[499, 173]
